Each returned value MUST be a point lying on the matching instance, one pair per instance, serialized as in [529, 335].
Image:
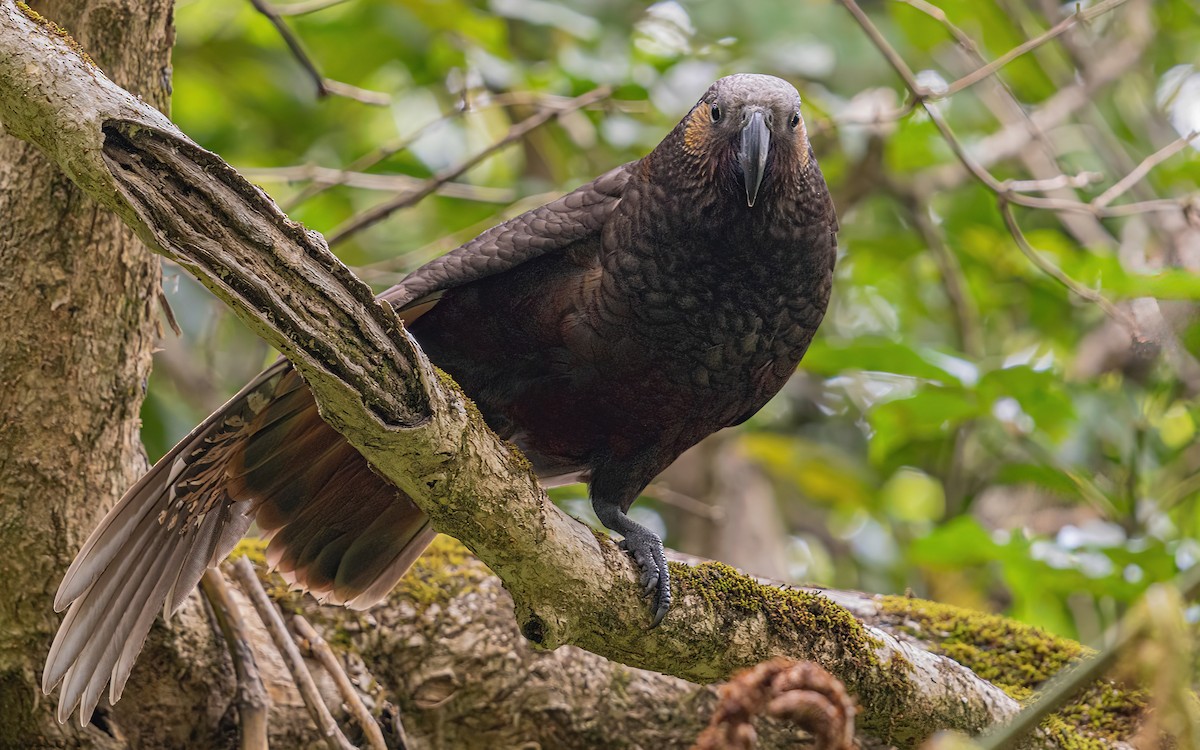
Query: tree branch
[416, 428]
[254, 707]
[353, 701]
[273, 621]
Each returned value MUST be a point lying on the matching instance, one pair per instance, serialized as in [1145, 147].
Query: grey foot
[647, 551]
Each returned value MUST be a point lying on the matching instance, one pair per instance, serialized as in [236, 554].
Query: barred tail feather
[146, 556]
[336, 529]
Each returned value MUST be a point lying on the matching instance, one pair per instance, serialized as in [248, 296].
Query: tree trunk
[79, 292]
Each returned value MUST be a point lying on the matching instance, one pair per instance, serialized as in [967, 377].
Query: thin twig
[356, 93]
[1102, 212]
[1083, 483]
[1069, 99]
[966, 316]
[325, 86]
[918, 92]
[879, 118]
[354, 703]
[392, 183]
[169, 313]
[373, 157]
[378, 213]
[1141, 170]
[1056, 273]
[1043, 162]
[254, 706]
[1004, 195]
[984, 71]
[310, 6]
[389, 271]
[1050, 184]
[684, 502]
[291, 655]
[293, 43]
[379, 153]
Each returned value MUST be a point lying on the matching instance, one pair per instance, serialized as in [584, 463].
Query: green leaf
[960, 542]
[873, 354]
[932, 412]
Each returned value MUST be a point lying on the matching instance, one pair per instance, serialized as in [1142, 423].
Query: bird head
[745, 127]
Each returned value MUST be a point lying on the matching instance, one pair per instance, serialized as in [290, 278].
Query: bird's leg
[613, 491]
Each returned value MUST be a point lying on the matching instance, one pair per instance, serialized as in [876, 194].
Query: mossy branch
[417, 429]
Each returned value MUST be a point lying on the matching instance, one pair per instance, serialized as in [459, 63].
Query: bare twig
[393, 183]
[1006, 195]
[378, 213]
[293, 43]
[320, 649]
[325, 86]
[373, 157]
[984, 71]
[1050, 184]
[1042, 162]
[253, 704]
[361, 95]
[378, 154]
[966, 317]
[169, 313]
[1070, 98]
[1141, 170]
[686, 503]
[918, 92]
[1031, 201]
[389, 271]
[308, 6]
[879, 118]
[291, 655]
[1056, 273]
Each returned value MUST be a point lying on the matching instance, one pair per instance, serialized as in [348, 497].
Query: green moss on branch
[56, 30]
[813, 625]
[1019, 659]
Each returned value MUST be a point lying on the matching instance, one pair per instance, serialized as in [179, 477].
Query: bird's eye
[715, 111]
[795, 120]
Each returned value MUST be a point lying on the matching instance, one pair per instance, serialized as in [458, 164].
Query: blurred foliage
[963, 445]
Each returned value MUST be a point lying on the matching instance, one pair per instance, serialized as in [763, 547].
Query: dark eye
[715, 111]
[795, 120]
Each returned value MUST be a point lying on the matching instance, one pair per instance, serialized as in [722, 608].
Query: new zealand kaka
[603, 334]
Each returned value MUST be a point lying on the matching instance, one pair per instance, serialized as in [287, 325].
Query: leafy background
[963, 427]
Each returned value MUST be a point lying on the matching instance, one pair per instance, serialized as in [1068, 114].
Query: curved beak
[756, 141]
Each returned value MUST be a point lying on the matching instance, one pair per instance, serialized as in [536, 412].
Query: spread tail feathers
[336, 529]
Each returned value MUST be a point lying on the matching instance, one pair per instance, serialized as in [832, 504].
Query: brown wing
[576, 216]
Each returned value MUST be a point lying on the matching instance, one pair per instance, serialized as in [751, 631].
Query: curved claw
[647, 551]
